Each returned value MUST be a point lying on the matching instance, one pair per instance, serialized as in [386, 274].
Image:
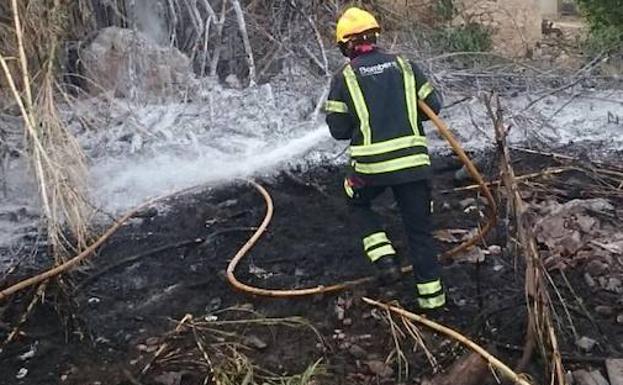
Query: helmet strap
[359, 44]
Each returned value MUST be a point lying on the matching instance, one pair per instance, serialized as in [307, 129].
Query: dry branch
[541, 330]
[242, 25]
[507, 372]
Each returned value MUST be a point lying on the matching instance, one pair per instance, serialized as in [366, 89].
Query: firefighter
[373, 103]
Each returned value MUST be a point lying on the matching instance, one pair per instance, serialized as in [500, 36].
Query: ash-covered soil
[166, 264]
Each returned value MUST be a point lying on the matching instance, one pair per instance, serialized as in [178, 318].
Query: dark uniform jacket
[373, 103]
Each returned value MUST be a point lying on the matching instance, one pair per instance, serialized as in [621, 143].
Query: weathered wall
[548, 8]
[127, 62]
[515, 24]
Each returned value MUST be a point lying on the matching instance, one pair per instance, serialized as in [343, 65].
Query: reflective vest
[381, 93]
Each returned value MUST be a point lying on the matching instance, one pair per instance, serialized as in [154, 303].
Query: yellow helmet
[354, 21]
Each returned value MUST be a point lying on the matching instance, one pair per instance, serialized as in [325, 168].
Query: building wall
[549, 8]
[515, 24]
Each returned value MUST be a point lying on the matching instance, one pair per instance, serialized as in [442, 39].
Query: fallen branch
[507, 372]
[38, 296]
[245, 40]
[70, 264]
[540, 331]
[155, 251]
[547, 172]
[132, 259]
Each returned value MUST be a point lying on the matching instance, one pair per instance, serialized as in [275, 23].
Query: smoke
[121, 184]
[149, 16]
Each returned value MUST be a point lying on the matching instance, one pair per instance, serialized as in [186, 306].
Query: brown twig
[540, 331]
[547, 172]
[507, 372]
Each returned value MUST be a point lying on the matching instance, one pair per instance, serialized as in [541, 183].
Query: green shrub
[471, 37]
[445, 9]
[605, 18]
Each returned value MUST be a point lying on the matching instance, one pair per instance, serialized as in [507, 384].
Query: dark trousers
[414, 202]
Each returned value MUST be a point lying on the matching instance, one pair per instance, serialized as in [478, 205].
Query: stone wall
[128, 63]
[515, 24]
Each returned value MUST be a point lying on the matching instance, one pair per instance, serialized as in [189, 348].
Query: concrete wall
[515, 24]
[549, 8]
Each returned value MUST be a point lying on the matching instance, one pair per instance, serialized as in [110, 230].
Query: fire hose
[445, 132]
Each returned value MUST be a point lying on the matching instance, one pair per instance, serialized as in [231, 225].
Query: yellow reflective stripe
[429, 287]
[349, 190]
[388, 146]
[335, 106]
[432, 303]
[359, 102]
[426, 90]
[375, 239]
[393, 165]
[410, 87]
[382, 251]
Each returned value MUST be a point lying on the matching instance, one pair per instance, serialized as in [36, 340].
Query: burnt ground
[123, 312]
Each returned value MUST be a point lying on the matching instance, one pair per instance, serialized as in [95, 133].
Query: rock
[604, 310]
[612, 284]
[255, 342]
[586, 344]
[169, 378]
[471, 369]
[147, 213]
[596, 268]
[125, 62]
[583, 377]
[214, 304]
[475, 255]
[450, 235]
[28, 355]
[357, 351]
[380, 368]
[233, 81]
[465, 203]
[614, 367]
[339, 312]
[590, 282]
[495, 250]
[620, 319]
[22, 373]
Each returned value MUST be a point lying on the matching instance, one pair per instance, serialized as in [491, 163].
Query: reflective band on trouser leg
[388, 146]
[348, 189]
[410, 94]
[393, 165]
[379, 252]
[375, 240]
[432, 302]
[335, 106]
[360, 103]
[425, 90]
[429, 288]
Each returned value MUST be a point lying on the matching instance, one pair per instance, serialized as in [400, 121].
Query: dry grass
[28, 59]
[218, 348]
[405, 338]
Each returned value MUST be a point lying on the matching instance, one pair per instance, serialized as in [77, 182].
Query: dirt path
[127, 309]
